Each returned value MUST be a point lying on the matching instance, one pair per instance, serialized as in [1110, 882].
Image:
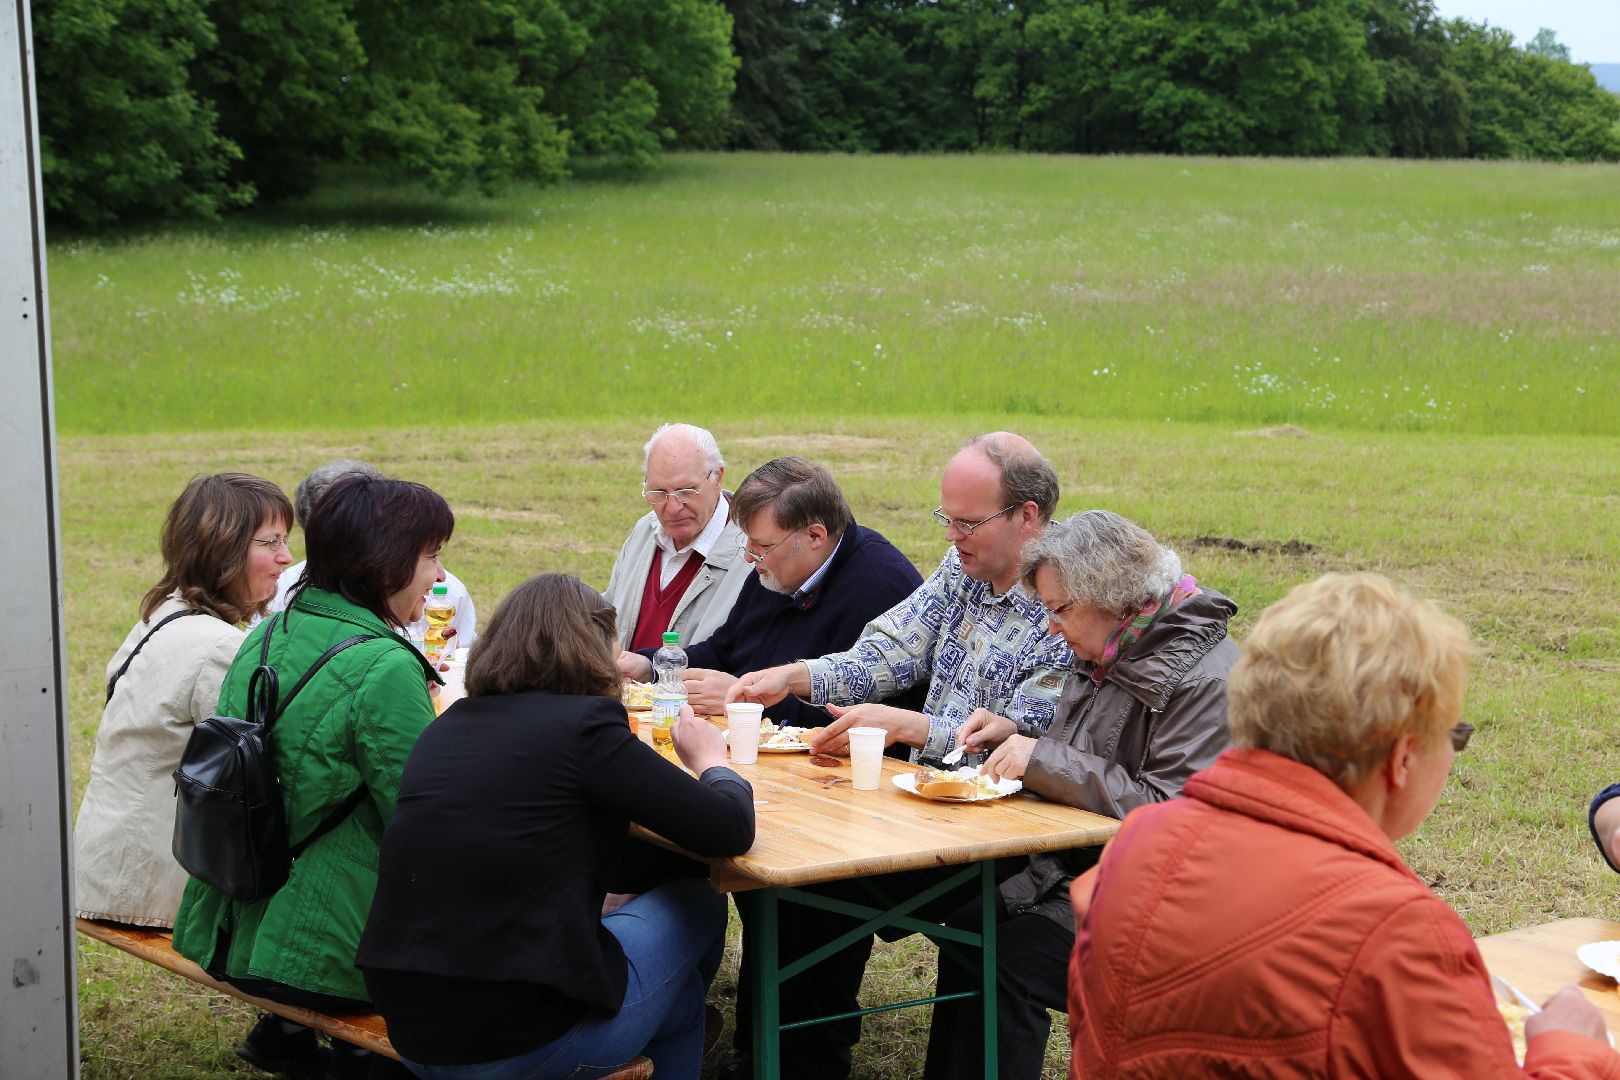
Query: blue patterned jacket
[975, 649]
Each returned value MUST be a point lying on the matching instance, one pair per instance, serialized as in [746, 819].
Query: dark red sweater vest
[658, 604]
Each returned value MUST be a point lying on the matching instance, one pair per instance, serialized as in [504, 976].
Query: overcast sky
[1591, 28]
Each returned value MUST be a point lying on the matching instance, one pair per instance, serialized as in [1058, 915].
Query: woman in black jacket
[493, 948]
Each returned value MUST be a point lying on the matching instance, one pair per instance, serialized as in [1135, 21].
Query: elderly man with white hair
[681, 567]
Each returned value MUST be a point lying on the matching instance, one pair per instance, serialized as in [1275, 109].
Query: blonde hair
[1340, 668]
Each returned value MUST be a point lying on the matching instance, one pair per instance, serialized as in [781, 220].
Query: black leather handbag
[230, 826]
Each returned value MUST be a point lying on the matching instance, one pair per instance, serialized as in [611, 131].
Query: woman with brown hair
[224, 544]
[491, 948]
[338, 748]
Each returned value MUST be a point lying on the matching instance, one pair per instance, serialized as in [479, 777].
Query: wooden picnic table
[1540, 960]
[813, 827]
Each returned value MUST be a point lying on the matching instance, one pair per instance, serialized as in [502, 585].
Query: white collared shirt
[674, 558]
[814, 579]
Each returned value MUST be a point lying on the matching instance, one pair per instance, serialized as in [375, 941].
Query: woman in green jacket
[373, 547]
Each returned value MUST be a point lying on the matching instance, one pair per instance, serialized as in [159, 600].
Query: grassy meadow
[1250, 315]
[1372, 294]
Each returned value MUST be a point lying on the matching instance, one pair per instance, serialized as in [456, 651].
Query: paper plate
[798, 746]
[1602, 957]
[907, 782]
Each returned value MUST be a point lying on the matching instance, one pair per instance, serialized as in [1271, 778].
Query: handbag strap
[265, 681]
[331, 821]
[161, 623]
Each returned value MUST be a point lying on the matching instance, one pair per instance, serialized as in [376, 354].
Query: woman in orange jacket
[1263, 924]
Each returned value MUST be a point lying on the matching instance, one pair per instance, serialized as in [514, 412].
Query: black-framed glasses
[1460, 734]
[685, 496]
[765, 549]
[967, 527]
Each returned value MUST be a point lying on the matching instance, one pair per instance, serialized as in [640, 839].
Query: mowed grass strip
[1377, 295]
[1515, 534]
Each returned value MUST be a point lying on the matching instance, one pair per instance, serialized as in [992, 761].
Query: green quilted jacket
[354, 723]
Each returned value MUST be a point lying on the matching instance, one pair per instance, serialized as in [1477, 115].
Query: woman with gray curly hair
[1144, 710]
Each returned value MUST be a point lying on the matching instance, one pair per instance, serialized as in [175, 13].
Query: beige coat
[707, 601]
[124, 868]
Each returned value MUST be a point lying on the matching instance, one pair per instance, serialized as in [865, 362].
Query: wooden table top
[1540, 960]
[813, 826]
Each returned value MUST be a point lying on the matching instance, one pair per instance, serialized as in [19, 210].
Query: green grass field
[1504, 508]
[1368, 294]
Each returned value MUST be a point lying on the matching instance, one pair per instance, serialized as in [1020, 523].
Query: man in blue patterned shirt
[977, 638]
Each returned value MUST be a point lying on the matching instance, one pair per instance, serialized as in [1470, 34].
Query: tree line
[1297, 77]
[191, 107]
[194, 107]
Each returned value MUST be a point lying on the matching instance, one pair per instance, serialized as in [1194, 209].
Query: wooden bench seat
[368, 1031]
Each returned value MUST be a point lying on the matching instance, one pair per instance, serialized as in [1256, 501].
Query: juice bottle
[437, 612]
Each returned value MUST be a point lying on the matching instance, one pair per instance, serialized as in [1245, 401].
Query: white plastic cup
[455, 684]
[866, 757]
[743, 719]
[644, 727]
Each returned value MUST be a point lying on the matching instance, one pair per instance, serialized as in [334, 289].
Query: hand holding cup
[698, 742]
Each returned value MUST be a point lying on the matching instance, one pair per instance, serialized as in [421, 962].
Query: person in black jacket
[493, 948]
[1604, 819]
[818, 579]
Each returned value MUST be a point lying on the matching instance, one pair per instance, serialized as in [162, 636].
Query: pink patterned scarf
[1134, 626]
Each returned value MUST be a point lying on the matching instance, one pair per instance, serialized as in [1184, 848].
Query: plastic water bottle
[669, 685]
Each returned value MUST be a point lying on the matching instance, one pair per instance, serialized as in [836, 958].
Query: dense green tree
[772, 40]
[639, 76]
[1527, 105]
[172, 107]
[1184, 76]
[1423, 105]
[278, 75]
[122, 132]
[452, 92]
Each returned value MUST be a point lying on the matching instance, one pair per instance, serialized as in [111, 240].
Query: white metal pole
[39, 1030]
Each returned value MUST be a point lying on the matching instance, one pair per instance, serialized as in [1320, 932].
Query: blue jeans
[672, 939]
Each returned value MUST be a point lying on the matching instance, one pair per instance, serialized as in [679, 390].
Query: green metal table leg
[766, 972]
[987, 879]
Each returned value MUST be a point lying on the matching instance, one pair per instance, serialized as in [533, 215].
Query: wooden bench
[368, 1031]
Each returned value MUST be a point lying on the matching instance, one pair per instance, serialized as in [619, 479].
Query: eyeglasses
[759, 556]
[274, 543]
[685, 496]
[967, 527]
[1057, 612]
[1460, 734]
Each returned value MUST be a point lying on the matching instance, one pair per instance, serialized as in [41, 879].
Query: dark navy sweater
[867, 576]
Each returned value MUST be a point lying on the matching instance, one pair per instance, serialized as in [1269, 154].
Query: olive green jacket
[354, 723]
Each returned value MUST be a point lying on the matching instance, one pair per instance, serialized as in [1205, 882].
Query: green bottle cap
[441, 590]
[671, 637]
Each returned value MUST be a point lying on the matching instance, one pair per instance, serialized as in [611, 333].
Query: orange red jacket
[1262, 926]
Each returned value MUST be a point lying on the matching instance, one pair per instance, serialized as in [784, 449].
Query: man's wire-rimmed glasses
[765, 549]
[685, 496]
[967, 527]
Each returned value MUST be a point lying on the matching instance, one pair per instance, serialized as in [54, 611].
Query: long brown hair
[206, 540]
[553, 632]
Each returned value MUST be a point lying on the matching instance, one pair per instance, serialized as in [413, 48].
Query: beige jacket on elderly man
[123, 861]
[707, 601]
